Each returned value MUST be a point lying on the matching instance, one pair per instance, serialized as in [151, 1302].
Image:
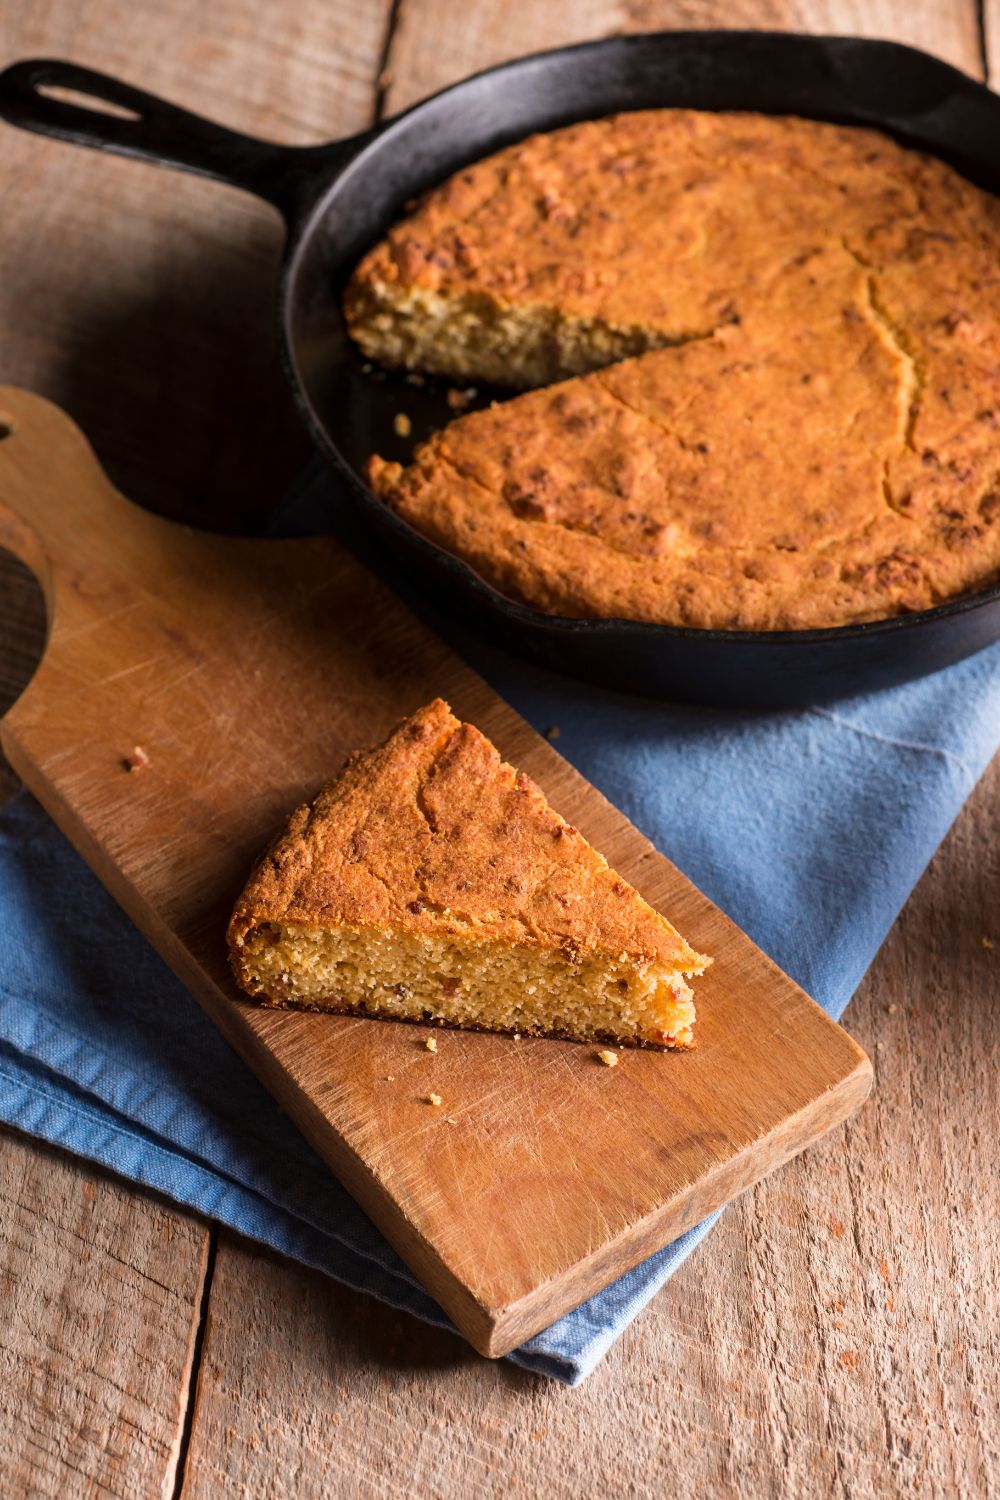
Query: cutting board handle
[60, 514]
[237, 667]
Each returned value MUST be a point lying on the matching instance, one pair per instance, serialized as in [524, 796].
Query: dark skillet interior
[917, 99]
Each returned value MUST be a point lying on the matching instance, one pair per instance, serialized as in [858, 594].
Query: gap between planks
[194, 1369]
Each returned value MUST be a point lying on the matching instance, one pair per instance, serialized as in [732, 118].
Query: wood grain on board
[238, 669]
[838, 1334]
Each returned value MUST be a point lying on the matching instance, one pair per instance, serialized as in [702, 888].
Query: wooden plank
[436, 43]
[143, 301]
[990, 13]
[238, 667]
[101, 1289]
[835, 1336]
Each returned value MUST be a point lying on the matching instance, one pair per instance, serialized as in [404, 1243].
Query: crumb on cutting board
[608, 1058]
[401, 424]
[430, 1043]
[137, 761]
[434, 1099]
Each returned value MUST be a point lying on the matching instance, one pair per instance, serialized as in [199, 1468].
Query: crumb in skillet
[459, 400]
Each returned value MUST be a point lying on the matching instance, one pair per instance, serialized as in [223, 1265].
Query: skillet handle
[143, 126]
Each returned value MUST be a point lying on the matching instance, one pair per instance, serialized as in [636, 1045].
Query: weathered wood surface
[99, 1312]
[838, 1333]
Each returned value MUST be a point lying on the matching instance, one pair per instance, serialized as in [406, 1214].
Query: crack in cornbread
[432, 882]
[827, 454]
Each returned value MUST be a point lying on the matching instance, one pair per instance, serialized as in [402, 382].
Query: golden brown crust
[433, 833]
[823, 447]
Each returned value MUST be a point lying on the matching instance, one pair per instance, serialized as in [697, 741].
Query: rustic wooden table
[839, 1332]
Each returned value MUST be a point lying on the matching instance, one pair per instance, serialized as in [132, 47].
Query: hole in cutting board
[7, 428]
[23, 628]
[87, 101]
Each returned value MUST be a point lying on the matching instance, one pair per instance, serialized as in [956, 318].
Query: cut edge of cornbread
[430, 882]
[475, 336]
[488, 986]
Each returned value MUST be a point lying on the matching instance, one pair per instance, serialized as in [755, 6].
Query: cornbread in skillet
[431, 881]
[811, 439]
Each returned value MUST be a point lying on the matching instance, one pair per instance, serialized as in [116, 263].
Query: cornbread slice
[431, 881]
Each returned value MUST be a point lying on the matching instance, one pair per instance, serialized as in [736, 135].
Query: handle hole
[23, 627]
[89, 102]
[7, 427]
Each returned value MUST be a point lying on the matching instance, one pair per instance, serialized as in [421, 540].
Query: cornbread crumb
[431, 1043]
[987, 942]
[451, 1120]
[459, 400]
[432, 882]
[137, 761]
[891, 1010]
[553, 732]
[390, 1078]
[609, 1059]
[435, 1100]
[401, 424]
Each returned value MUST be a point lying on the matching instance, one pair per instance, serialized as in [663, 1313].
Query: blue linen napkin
[809, 827]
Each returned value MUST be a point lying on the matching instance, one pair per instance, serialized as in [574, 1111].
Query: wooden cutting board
[246, 671]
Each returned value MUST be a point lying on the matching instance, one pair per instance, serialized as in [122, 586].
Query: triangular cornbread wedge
[432, 882]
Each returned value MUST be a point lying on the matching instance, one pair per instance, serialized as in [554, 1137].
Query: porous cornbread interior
[430, 881]
[495, 986]
[471, 335]
[793, 334]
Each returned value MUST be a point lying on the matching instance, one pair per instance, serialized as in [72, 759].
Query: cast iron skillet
[337, 199]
